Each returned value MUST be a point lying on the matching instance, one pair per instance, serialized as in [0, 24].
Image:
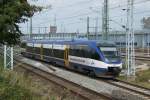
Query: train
[94, 58]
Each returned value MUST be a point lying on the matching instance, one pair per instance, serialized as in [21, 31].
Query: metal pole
[30, 27]
[8, 57]
[11, 58]
[61, 29]
[105, 20]
[55, 20]
[88, 21]
[143, 43]
[27, 28]
[130, 40]
[39, 31]
[96, 29]
[45, 32]
[5, 55]
[148, 44]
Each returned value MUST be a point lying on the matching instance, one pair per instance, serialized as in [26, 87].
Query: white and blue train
[100, 59]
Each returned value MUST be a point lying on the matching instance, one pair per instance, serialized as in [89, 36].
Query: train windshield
[110, 53]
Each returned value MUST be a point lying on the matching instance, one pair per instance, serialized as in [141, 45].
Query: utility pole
[27, 28]
[88, 27]
[45, 28]
[105, 20]
[55, 20]
[8, 57]
[30, 27]
[148, 44]
[130, 52]
[96, 28]
[61, 29]
[39, 30]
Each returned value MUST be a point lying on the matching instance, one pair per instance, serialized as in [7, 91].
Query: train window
[36, 50]
[30, 49]
[47, 52]
[94, 55]
[77, 50]
[58, 53]
[84, 51]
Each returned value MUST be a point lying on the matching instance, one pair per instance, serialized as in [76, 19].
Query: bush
[23, 45]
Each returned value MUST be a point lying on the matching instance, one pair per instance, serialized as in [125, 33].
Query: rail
[84, 92]
[131, 87]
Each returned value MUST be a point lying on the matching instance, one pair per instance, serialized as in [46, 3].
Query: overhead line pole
[96, 28]
[88, 27]
[105, 20]
[30, 27]
[130, 52]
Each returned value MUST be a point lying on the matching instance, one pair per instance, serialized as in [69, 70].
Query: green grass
[142, 78]
[19, 86]
[1, 62]
[14, 86]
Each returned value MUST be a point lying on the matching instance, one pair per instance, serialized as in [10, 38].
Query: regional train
[95, 58]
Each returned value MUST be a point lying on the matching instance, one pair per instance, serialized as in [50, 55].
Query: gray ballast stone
[36, 64]
[124, 95]
[93, 84]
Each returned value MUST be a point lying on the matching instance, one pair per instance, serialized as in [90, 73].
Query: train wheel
[91, 74]
[54, 63]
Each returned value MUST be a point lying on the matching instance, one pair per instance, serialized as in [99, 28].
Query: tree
[146, 23]
[13, 12]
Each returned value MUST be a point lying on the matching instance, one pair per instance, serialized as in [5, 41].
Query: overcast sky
[71, 14]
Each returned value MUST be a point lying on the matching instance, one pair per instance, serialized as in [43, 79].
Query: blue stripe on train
[82, 67]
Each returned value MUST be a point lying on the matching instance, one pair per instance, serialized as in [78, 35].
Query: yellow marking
[66, 55]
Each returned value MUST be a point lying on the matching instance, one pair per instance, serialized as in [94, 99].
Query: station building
[142, 38]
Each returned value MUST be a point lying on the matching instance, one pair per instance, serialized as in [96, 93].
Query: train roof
[98, 43]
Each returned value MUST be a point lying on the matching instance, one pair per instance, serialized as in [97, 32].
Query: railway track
[86, 93]
[79, 90]
[131, 87]
[118, 83]
[139, 58]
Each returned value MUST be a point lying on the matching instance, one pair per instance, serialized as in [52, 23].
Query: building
[142, 38]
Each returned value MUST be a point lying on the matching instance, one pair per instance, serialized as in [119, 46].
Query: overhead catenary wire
[84, 14]
[76, 4]
[70, 17]
[122, 5]
[67, 6]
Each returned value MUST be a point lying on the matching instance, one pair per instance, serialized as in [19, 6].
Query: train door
[66, 57]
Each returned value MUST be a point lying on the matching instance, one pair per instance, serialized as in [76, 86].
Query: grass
[19, 86]
[142, 78]
[1, 62]
[15, 86]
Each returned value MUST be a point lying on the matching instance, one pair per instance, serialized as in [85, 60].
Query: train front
[112, 60]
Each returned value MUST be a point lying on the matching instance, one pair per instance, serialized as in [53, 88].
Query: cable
[71, 5]
[71, 17]
[67, 18]
[77, 3]
[143, 1]
[119, 6]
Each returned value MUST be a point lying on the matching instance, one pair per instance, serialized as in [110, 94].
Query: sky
[71, 15]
